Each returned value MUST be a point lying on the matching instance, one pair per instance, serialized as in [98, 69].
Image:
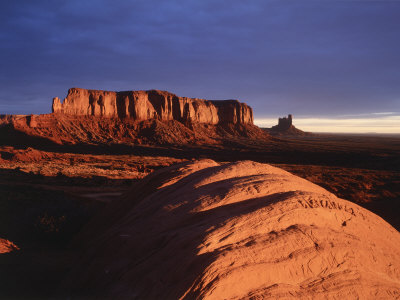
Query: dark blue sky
[322, 58]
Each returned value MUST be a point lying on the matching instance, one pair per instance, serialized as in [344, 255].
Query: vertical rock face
[154, 104]
[87, 102]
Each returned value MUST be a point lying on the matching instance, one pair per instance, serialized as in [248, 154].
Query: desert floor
[46, 197]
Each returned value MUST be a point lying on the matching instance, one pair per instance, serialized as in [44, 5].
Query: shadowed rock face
[201, 230]
[285, 127]
[285, 122]
[145, 105]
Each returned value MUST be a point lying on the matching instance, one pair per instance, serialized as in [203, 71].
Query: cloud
[300, 57]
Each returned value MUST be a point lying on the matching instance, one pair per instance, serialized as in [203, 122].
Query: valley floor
[46, 197]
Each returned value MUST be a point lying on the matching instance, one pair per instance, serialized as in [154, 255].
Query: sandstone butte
[285, 127]
[133, 117]
[240, 230]
[153, 104]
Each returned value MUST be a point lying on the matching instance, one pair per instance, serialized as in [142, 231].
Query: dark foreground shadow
[41, 222]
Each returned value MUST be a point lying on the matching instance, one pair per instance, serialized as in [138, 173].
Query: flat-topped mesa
[153, 104]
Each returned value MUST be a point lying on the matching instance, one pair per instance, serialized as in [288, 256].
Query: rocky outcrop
[153, 104]
[203, 230]
[285, 127]
[7, 246]
[285, 122]
[38, 130]
[134, 117]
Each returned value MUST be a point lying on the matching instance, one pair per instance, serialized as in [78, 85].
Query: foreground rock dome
[239, 230]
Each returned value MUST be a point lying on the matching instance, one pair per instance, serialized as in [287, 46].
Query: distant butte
[285, 127]
[153, 104]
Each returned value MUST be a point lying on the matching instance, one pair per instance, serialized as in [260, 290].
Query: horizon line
[376, 124]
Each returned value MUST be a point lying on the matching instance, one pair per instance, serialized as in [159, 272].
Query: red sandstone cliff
[154, 104]
[134, 117]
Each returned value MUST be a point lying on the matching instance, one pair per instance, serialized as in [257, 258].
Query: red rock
[285, 127]
[139, 117]
[153, 104]
[242, 230]
[7, 246]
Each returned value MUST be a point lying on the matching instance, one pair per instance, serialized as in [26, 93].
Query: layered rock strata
[153, 104]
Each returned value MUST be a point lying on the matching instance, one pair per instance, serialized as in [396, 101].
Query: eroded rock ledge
[153, 104]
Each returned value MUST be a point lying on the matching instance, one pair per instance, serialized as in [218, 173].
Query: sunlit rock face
[7, 246]
[154, 104]
[242, 230]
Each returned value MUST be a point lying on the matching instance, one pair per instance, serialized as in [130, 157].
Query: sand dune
[232, 231]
